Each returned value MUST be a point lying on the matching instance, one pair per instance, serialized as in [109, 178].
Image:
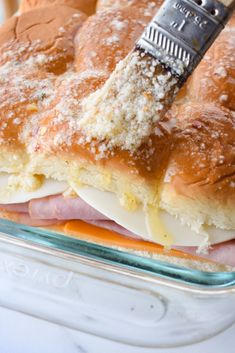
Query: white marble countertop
[23, 334]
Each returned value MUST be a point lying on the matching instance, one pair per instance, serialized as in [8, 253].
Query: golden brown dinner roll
[124, 26]
[103, 41]
[214, 79]
[86, 6]
[30, 56]
[107, 37]
[47, 127]
[46, 31]
[199, 183]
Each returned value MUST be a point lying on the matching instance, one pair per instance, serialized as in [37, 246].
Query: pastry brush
[182, 31]
[124, 112]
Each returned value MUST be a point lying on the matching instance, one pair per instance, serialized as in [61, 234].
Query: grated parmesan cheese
[124, 111]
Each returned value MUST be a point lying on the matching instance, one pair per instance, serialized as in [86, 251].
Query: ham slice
[24, 218]
[61, 208]
[54, 209]
[111, 225]
[18, 207]
[223, 253]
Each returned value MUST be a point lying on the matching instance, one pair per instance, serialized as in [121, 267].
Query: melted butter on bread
[129, 201]
[156, 227]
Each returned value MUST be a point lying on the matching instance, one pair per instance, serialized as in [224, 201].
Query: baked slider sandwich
[165, 189]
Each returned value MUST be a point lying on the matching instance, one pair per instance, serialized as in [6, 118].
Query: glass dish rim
[116, 260]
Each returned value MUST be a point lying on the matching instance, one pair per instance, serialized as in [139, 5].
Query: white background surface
[23, 334]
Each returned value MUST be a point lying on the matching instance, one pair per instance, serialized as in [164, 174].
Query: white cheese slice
[155, 226]
[160, 227]
[10, 196]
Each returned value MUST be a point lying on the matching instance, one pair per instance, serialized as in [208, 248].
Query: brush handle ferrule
[184, 30]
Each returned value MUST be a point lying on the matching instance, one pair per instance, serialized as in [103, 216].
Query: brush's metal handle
[184, 30]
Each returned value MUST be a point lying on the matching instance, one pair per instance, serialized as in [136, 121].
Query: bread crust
[214, 79]
[35, 48]
[49, 31]
[107, 37]
[199, 184]
[86, 6]
[116, 4]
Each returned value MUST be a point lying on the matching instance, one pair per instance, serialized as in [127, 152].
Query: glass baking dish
[110, 293]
